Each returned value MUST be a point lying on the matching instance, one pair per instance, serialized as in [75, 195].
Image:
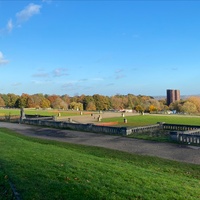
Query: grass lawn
[148, 119]
[52, 112]
[42, 169]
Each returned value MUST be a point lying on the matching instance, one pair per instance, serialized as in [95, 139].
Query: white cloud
[60, 72]
[2, 60]
[28, 12]
[9, 26]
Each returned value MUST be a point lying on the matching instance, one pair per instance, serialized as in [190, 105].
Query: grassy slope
[51, 170]
[142, 120]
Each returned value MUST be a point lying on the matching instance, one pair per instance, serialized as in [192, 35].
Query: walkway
[164, 150]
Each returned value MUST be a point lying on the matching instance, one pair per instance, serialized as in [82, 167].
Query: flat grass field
[41, 169]
[148, 119]
[51, 112]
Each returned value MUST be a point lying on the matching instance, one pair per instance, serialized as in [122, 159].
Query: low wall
[187, 138]
[179, 127]
[78, 127]
[149, 128]
[91, 127]
[192, 136]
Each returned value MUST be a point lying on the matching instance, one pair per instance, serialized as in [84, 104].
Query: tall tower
[172, 96]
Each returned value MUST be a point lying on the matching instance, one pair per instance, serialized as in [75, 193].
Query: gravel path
[164, 150]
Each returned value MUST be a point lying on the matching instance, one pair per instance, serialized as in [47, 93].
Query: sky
[99, 47]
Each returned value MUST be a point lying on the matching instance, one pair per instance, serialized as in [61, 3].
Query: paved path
[163, 150]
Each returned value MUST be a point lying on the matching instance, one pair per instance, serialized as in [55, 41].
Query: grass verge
[42, 169]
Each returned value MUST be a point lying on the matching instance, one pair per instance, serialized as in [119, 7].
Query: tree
[76, 106]
[116, 102]
[189, 107]
[88, 103]
[91, 106]
[2, 103]
[22, 101]
[34, 101]
[101, 102]
[45, 103]
[139, 108]
[66, 99]
[12, 99]
[196, 101]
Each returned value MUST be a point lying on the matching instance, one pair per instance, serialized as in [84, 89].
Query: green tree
[101, 102]
[88, 103]
[12, 99]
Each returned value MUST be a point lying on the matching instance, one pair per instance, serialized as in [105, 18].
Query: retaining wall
[78, 127]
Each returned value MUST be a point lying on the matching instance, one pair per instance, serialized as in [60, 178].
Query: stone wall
[179, 127]
[190, 137]
[91, 127]
[149, 128]
[78, 127]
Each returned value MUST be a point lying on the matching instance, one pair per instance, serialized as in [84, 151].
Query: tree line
[139, 103]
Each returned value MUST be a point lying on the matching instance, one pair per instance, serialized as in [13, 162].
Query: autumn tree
[116, 102]
[176, 106]
[22, 101]
[34, 101]
[88, 103]
[66, 99]
[196, 101]
[139, 108]
[57, 102]
[189, 107]
[2, 103]
[76, 106]
[5, 99]
[45, 103]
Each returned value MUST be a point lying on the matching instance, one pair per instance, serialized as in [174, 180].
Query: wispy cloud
[40, 75]
[9, 26]
[16, 84]
[60, 72]
[21, 17]
[2, 60]
[119, 74]
[29, 11]
[97, 79]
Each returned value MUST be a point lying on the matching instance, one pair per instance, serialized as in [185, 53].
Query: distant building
[172, 96]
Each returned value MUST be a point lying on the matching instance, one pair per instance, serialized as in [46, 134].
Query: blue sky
[99, 47]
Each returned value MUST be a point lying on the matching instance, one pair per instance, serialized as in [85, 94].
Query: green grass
[5, 189]
[157, 135]
[142, 120]
[52, 112]
[42, 169]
